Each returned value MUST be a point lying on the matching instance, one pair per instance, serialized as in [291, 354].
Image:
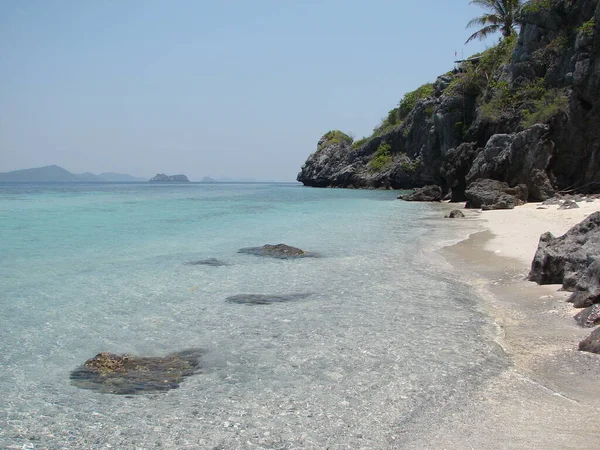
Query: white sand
[545, 398]
[517, 232]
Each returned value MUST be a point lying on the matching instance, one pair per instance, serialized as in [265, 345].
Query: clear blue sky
[221, 88]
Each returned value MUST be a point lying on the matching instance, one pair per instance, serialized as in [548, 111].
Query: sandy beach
[545, 400]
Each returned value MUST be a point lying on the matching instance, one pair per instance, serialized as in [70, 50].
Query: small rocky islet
[109, 373]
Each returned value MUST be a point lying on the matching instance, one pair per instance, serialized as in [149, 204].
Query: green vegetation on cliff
[382, 158]
[335, 137]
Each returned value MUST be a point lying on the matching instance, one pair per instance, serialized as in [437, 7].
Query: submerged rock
[259, 299]
[563, 260]
[425, 194]
[491, 194]
[281, 251]
[591, 343]
[454, 214]
[214, 262]
[109, 373]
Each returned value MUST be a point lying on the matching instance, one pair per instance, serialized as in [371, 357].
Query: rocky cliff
[524, 112]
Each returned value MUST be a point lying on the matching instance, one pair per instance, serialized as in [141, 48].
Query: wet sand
[548, 398]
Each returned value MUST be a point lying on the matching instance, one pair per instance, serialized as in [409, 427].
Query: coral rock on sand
[563, 260]
[589, 317]
[109, 373]
[591, 343]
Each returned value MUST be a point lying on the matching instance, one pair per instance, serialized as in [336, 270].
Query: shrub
[534, 6]
[588, 27]
[382, 157]
[335, 137]
[410, 99]
[359, 143]
[548, 106]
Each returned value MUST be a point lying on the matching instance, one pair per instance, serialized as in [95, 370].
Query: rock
[591, 343]
[589, 317]
[518, 158]
[425, 194]
[258, 299]
[162, 178]
[587, 289]
[562, 260]
[109, 373]
[456, 165]
[280, 251]
[455, 214]
[214, 262]
[551, 201]
[569, 204]
[491, 194]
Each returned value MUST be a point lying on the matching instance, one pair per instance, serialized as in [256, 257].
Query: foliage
[408, 165]
[410, 99]
[588, 27]
[548, 106]
[476, 76]
[382, 157]
[359, 143]
[506, 100]
[398, 115]
[502, 16]
[535, 6]
[335, 137]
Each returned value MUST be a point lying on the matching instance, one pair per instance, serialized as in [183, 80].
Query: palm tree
[502, 17]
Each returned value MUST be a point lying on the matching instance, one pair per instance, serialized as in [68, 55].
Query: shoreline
[545, 396]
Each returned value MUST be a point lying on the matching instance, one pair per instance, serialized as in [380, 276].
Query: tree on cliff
[502, 16]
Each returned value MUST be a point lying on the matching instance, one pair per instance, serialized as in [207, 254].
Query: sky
[230, 88]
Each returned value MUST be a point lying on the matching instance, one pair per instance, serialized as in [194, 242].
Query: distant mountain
[162, 178]
[111, 176]
[56, 173]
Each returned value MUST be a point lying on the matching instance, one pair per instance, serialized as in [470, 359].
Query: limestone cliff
[524, 112]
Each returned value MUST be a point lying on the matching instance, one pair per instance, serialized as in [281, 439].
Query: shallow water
[386, 335]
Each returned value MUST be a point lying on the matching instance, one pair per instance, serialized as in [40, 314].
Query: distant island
[162, 178]
[58, 174]
[209, 180]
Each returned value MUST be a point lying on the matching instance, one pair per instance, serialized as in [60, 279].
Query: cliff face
[524, 112]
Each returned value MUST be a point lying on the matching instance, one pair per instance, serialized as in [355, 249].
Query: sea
[380, 340]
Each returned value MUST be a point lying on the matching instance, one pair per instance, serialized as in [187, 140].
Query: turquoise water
[386, 338]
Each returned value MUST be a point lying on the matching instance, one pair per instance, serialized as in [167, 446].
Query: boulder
[280, 251]
[455, 214]
[125, 374]
[591, 343]
[518, 158]
[589, 317]
[259, 299]
[587, 288]
[492, 194]
[563, 260]
[431, 193]
[569, 204]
